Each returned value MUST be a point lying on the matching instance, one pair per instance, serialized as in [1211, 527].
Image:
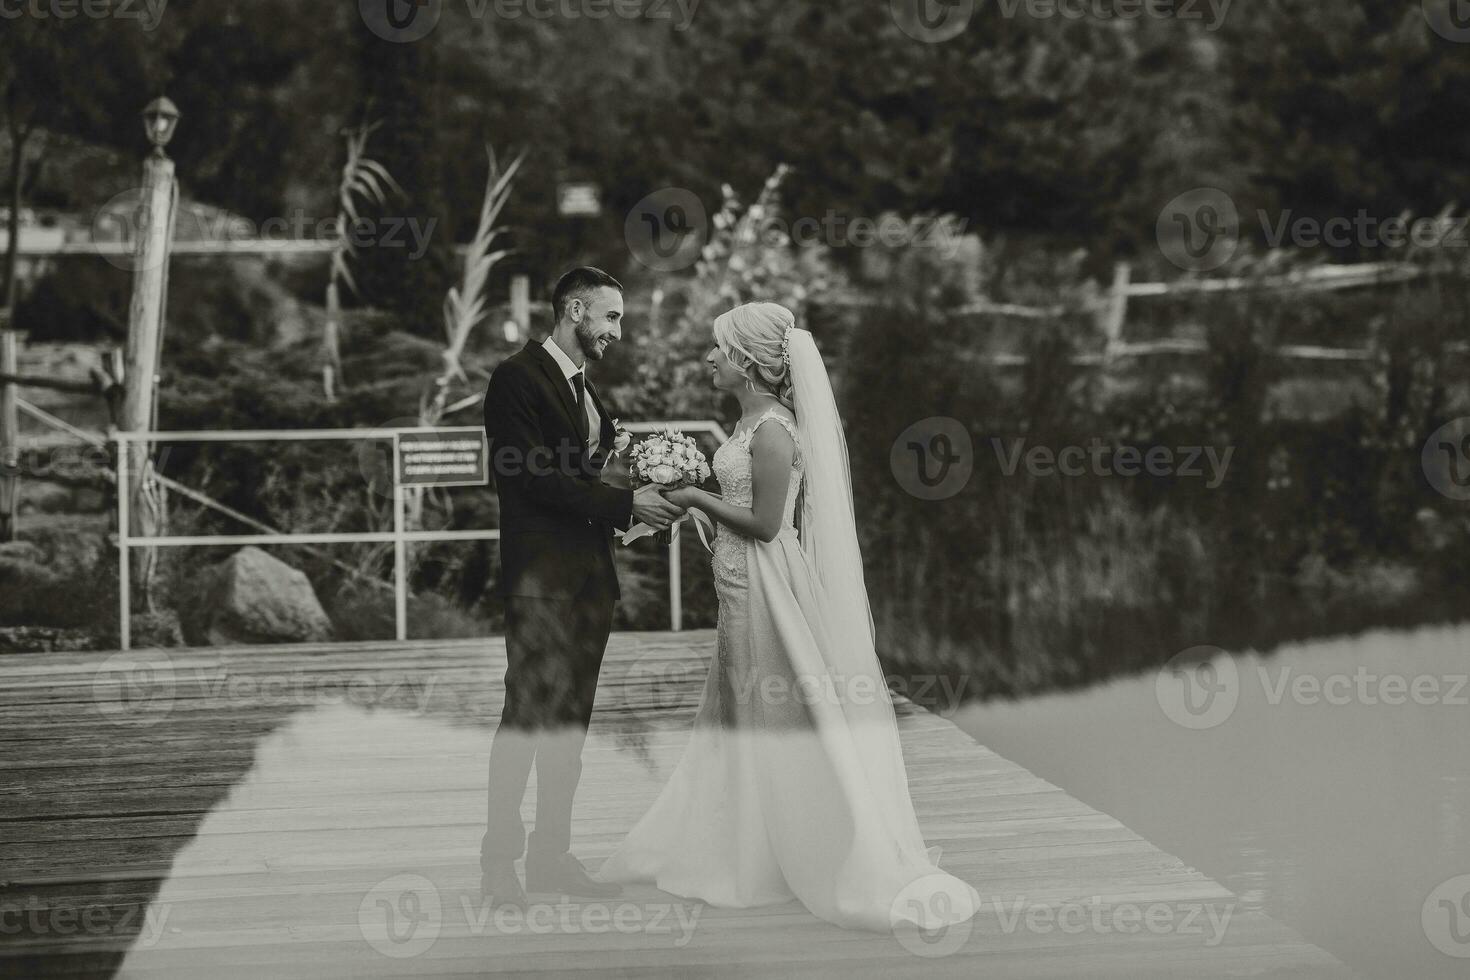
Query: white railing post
[124, 566]
[400, 555]
[676, 583]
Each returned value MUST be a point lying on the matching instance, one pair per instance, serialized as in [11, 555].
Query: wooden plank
[241, 831]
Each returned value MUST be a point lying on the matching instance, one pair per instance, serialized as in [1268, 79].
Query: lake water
[1327, 784]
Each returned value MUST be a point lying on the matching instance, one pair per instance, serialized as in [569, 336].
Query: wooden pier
[316, 811]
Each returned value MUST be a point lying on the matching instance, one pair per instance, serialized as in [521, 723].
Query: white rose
[664, 474]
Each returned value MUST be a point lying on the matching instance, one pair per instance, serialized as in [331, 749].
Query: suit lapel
[559, 384]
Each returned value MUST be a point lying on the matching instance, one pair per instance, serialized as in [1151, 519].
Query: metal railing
[400, 537]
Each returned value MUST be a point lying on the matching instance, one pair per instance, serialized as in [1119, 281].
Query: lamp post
[155, 216]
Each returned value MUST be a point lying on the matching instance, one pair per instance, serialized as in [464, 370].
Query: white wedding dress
[792, 784]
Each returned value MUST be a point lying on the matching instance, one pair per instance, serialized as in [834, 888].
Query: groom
[550, 438]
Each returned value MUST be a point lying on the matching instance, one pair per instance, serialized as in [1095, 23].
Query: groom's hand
[650, 507]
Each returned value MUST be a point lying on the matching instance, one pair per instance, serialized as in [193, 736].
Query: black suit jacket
[556, 515]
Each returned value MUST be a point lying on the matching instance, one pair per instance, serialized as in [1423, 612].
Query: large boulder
[251, 597]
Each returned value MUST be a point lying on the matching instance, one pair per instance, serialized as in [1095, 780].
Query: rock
[252, 597]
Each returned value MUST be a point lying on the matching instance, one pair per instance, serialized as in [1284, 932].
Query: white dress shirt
[569, 369]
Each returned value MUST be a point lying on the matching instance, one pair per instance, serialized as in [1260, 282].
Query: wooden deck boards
[243, 812]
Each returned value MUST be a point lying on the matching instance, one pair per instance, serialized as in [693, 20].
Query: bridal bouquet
[671, 460]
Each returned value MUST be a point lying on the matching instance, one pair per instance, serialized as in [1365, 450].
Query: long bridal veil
[830, 542]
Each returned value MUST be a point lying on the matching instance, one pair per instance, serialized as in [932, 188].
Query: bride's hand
[685, 497]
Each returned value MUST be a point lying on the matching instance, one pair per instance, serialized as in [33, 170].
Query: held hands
[682, 497]
[652, 508]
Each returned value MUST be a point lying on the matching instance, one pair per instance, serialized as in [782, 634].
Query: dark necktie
[579, 381]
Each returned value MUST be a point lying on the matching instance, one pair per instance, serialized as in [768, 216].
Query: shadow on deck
[316, 811]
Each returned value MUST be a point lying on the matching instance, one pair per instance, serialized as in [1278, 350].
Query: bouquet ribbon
[702, 525]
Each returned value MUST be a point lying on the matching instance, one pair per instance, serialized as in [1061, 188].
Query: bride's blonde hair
[754, 337]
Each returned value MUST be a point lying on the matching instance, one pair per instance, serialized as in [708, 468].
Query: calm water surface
[1316, 798]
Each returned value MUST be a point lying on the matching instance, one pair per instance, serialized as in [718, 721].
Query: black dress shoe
[500, 886]
[564, 875]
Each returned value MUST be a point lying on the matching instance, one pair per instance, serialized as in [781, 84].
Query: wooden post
[155, 223]
[520, 304]
[1115, 313]
[9, 432]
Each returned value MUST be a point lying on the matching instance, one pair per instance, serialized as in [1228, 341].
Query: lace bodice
[732, 467]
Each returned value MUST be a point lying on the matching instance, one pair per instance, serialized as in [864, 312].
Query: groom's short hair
[577, 284]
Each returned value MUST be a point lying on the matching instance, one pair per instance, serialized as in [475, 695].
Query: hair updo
[753, 337]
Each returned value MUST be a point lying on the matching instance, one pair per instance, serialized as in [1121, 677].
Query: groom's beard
[592, 347]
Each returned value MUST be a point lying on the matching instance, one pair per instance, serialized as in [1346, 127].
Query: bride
[793, 783]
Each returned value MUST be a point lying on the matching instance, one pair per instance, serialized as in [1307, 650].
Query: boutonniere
[622, 438]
